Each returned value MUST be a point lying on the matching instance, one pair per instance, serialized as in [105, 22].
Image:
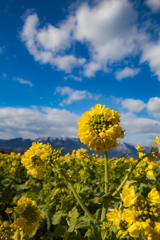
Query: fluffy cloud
[153, 4]
[144, 130]
[151, 55]
[153, 107]
[22, 81]
[45, 121]
[36, 122]
[126, 72]
[103, 27]
[133, 105]
[47, 44]
[74, 95]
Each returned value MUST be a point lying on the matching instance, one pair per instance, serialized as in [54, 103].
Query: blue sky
[60, 58]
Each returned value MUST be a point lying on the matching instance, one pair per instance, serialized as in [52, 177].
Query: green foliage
[62, 216]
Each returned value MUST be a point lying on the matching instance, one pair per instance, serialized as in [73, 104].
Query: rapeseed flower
[39, 157]
[29, 216]
[143, 214]
[128, 197]
[35, 159]
[157, 141]
[6, 231]
[140, 148]
[99, 129]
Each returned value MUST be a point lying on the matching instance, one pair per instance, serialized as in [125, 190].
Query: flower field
[44, 195]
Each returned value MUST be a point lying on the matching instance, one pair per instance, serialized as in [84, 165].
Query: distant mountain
[69, 144]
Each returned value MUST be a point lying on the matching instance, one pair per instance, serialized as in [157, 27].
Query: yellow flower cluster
[147, 166]
[99, 128]
[142, 215]
[36, 158]
[29, 216]
[6, 232]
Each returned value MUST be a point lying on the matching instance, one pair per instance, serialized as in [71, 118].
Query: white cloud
[153, 4]
[91, 68]
[103, 27]
[36, 122]
[142, 130]
[151, 55]
[73, 77]
[22, 81]
[110, 37]
[153, 107]
[133, 105]
[46, 121]
[74, 95]
[116, 100]
[127, 72]
[47, 44]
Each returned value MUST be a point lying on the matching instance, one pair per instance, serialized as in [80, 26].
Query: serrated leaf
[73, 215]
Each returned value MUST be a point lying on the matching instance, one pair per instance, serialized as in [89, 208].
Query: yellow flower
[29, 216]
[154, 196]
[139, 148]
[6, 231]
[157, 227]
[129, 216]
[99, 128]
[38, 157]
[150, 170]
[115, 216]
[128, 197]
[8, 210]
[157, 141]
[135, 229]
[81, 153]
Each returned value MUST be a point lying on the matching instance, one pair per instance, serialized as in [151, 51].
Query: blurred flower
[29, 216]
[139, 148]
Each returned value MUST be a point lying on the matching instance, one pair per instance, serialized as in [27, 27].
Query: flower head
[38, 157]
[29, 216]
[140, 148]
[157, 141]
[8, 210]
[99, 128]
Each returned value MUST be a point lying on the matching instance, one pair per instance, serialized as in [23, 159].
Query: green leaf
[45, 216]
[104, 197]
[57, 218]
[59, 231]
[98, 214]
[71, 227]
[66, 235]
[128, 183]
[73, 214]
[151, 177]
[83, 225]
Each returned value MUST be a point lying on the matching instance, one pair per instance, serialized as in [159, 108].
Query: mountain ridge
[69, 143]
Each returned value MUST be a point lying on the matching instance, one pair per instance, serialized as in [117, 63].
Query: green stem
[128, 174]
[106, 168]
[76, 196]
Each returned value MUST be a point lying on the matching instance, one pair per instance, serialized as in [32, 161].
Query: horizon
[59, 59]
